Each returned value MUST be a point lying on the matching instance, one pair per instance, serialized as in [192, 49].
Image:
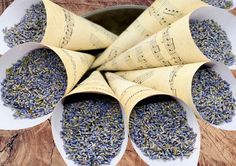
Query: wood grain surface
[35, 146]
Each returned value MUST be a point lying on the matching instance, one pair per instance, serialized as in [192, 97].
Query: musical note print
[95, 41]
[126, 90]
[131, 95]
[98, 28]
[141, 29]
[172, 12]
[142, 61]
[100, 86]
[164, 12]
[69, 28]
[123, 74]
[170, 47]
[114, 52]
[143, 77]
[168, 41]
[128, 60]
[157, 54]
[172, 77]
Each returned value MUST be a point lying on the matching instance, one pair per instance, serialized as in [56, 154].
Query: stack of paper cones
[174, 44]
[177, 81]
[130, 94]
[94, 84]
[64, 29]
[158, 16]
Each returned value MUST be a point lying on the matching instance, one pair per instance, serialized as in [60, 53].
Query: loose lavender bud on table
[34, 84]
[212, 97]
[92, 129]
[159, 127]
[212, 41]
[224, 4]
[31, 27]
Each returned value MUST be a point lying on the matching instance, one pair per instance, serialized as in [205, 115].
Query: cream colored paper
[64, 29]
[73, 32]
[159, 15]
[130, 93]
[94, 84]
[177, 81]
[174, 44]
[76, 64]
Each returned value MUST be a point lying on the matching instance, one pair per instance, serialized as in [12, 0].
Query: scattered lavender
[225, 4]
[92, 129]
[212, 41]
[34, 84]
[31, 27]
[212, 97]
[159, 127]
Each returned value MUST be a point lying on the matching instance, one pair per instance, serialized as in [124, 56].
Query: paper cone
[64, 29]
[158, 16]
[174, 44]
[177, 80]
[76, 64]
[94, 84]
[130, 93]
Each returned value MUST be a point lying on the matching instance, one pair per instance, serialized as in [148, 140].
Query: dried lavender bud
[92, 129]
[212, 97]
[225, 4]
[212, 41]
[159, 127]
[31, 27]
[34, 84]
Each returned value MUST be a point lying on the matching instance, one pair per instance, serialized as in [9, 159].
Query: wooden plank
[35, 146]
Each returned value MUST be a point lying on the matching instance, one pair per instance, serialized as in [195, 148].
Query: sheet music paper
[159, 15]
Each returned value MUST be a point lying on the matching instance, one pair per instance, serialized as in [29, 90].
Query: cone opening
[60, 128]
[190, 121]
[214, 27]
[214, 96]
[17, 110]
[13, 28]
[226, 4]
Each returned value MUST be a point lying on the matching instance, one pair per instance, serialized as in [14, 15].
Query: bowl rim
[113, 8]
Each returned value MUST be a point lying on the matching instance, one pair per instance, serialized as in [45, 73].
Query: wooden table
[35, 146]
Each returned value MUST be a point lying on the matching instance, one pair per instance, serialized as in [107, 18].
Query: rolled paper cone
[174, 44]
[94, 84]
[158, 16]
[63, 29]
[177, 81]
[130, 94]
[76, 64]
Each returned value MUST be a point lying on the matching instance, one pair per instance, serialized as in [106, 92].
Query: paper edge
[56, 120]
[197, 145]
[229, 29]
[8, 15]
[20, 123]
